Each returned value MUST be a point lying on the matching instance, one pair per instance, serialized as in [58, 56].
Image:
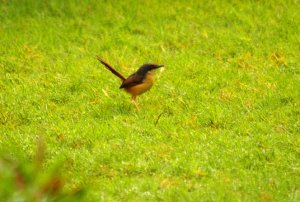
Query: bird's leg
[134, 101]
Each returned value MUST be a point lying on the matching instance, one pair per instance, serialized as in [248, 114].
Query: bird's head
[148, 67]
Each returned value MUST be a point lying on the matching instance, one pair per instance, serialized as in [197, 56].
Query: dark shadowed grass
[220, 124]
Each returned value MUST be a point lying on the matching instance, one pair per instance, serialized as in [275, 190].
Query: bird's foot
[134, 101]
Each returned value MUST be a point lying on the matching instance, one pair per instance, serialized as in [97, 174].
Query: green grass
[220, 124]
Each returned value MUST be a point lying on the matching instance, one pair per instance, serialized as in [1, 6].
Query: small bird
[138, 82]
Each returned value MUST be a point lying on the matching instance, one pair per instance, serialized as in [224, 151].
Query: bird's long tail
[110, 68]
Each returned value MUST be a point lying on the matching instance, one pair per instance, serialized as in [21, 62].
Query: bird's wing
[132, 80]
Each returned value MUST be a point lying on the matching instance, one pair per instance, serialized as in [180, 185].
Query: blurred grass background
[220, 124]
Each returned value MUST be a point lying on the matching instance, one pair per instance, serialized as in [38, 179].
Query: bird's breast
[143, 87]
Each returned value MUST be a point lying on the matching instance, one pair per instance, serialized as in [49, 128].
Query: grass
[220, 124]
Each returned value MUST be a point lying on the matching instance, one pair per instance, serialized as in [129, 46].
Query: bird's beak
[158, 66]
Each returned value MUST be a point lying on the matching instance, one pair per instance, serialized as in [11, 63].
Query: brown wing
[132, 80]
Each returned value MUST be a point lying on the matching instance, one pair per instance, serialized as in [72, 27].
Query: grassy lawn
[221, 122]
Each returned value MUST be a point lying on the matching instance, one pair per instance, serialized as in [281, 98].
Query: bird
[137, 83]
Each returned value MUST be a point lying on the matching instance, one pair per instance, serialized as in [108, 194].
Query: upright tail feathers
[110, 68]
